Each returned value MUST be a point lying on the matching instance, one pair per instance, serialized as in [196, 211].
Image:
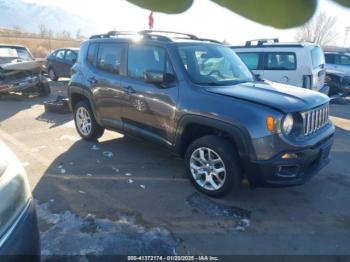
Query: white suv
[297, 64]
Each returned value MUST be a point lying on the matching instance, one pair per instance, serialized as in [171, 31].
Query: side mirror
[258, 77]
[154, 77]
[74, 60]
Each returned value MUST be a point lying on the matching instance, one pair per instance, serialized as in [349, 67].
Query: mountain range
[29, 16]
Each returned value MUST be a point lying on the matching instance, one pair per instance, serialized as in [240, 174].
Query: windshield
[317, 57]
[8, 54]
[213, 65]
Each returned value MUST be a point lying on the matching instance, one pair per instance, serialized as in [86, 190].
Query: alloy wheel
[83, 120]
[207, 168]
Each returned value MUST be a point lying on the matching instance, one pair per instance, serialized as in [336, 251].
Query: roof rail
[157, 32]
[210, 40]
[153, 34]
[260, 42]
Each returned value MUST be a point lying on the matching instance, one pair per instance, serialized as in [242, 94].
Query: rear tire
[212, 165]
[85, 122]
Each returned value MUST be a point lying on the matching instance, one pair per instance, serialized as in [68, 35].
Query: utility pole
[347, 31]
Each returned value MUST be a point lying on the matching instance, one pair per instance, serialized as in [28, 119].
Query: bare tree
[43, 31]
[78, 34]
[64, 35]
[319, 30]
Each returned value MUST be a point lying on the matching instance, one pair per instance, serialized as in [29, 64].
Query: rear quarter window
[90, 57]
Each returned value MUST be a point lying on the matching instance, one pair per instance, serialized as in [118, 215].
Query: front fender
[238, 134]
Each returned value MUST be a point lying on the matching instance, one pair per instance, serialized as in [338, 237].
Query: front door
[149, 109]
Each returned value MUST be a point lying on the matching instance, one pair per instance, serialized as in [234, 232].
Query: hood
[282, 97]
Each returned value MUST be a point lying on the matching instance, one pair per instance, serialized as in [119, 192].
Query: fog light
[288, 171]
[289, 156]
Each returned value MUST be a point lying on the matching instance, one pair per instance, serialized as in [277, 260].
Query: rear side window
[250, 59]
[280, 61]
[317, 57]
[109, 57]
[60, 54]
[145, 58]
[91, 53]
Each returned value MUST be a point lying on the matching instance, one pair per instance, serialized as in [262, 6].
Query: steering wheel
[215, 72]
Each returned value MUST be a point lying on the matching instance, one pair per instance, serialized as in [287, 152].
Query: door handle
[92, 80]
[129, 90]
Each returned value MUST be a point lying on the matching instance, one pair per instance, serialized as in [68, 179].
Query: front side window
[250, 59]
[143, 58]
[213, 65]
[345, 60]
[329, 58]
[280, 61]
[60, 54]
[109, 57]
[71, 56]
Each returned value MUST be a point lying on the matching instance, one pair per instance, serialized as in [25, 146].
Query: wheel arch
[192, 127]
[77, 94]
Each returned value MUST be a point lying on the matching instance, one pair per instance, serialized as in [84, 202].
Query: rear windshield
[317, 57]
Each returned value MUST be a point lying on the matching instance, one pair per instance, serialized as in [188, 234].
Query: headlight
[287, 125]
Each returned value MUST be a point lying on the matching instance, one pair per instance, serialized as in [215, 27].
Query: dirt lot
[126, 196]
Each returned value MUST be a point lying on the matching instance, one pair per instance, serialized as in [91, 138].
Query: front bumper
[20, 85]
[291, 171]
[21, 242]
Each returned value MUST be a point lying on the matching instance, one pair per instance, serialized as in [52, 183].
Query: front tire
[52, 75]
[44, 89]
[85, 122]
[212, 165]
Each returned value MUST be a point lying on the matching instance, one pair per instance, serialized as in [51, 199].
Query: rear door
[105, 80]
[58, 63]
[254, 61]
[281, 67]
[69, 59]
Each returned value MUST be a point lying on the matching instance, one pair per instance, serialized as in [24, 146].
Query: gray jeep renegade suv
[197, 97]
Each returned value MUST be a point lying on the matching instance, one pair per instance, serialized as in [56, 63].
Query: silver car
[19, 234]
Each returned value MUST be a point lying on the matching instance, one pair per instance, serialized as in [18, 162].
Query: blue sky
[204, 18]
